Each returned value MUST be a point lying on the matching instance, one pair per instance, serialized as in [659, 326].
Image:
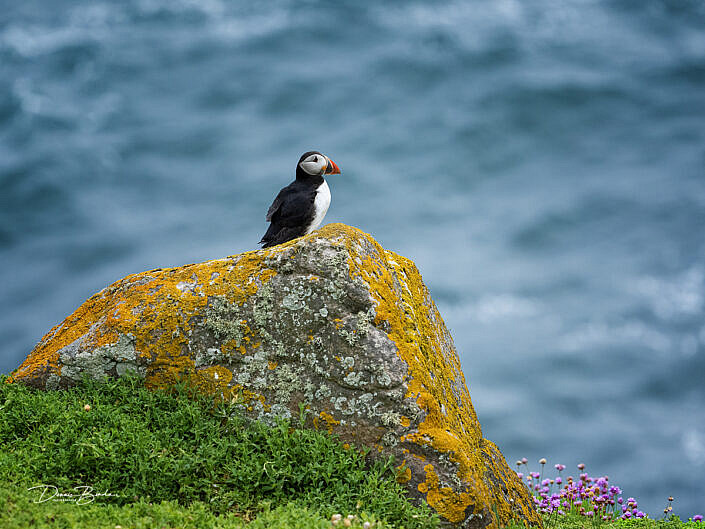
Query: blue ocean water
[542, 162]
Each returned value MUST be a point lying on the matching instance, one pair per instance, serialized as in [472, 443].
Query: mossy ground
[20, 512]
[176, 459]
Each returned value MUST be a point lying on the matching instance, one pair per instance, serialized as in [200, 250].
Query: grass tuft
[179, 456]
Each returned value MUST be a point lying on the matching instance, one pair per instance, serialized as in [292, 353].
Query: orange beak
[332, 168]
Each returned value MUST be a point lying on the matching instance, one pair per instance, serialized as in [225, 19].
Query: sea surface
[542, 162]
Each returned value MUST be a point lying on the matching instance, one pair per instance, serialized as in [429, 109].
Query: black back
[292, 210]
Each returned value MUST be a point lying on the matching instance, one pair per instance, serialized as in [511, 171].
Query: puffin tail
[276, 235]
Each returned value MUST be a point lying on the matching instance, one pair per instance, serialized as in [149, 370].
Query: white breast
[320, 206]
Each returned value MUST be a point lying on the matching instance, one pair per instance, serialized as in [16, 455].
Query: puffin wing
[275, 206]
[293, 206]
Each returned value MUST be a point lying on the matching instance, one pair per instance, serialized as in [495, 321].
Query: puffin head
[313, 163]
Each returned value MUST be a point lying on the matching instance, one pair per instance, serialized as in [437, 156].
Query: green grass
[672, 522]
[21, 511]
[173, 459]
[575, 521]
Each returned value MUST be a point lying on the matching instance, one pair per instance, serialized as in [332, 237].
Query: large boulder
[331, 322]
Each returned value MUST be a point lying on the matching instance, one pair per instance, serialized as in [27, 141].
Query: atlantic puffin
[300, 207]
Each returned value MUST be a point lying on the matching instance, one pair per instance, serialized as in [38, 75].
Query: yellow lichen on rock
[403, 473]
[214, 380]
[328, 419]
[445, 500]
[436, 381]
[331, 323]
[138, 306]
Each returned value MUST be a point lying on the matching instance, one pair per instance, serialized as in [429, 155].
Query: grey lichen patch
[384, 380]
[276, 411]
[260, 383]
[341, 404]
[311, 360]
[263, 310]
[364, 321]
[125, 356]
[223, 319]
[212, 356]
[323, 392]
[117, 358]
[366, 398]
[296, 297]
[389, 439]
[53, 381]
[413, 410]
[309, 392]
[287, 381]
[242, 378]
[396, 394]
[450, 468]
[356, 328]
[391, 419]
[349, 336]
[368, 406]
[353, 379]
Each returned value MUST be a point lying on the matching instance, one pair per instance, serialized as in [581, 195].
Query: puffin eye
[315, 159]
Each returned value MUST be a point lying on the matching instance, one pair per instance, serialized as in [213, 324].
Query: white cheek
[312, 168]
